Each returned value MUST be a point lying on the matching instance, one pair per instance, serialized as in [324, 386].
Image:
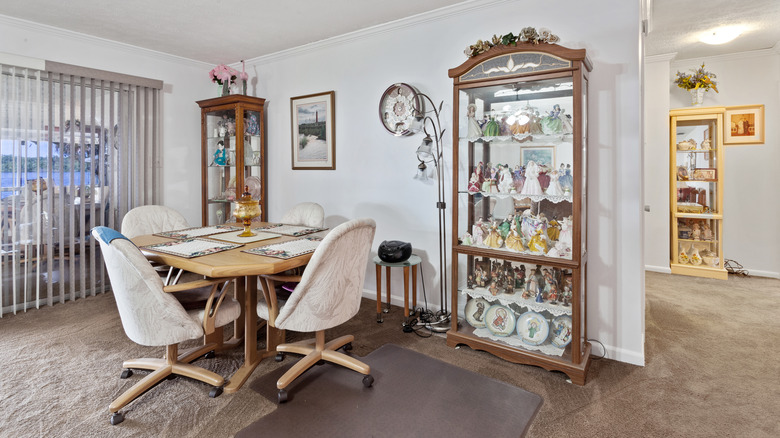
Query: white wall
[374, 170]
[750, 232]
[184, 82]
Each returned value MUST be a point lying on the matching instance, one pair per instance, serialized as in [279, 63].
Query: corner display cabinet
[696, 198]
[519, 243]
[231, 161]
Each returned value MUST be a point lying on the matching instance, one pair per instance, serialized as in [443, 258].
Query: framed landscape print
[313, 131]
[541, 155]
[744, 124]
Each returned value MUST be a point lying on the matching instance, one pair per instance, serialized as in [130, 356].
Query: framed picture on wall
[744, 124]
[314, 131]
[541, 155]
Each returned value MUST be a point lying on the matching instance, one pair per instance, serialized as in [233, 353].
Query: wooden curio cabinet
[520, 206]
[232, 155]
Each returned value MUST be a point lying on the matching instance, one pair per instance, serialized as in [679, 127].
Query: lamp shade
[425, 151]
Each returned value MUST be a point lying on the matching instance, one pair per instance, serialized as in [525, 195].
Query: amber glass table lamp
[246, 210]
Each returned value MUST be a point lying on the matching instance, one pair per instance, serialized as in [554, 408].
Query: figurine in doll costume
[565, 178]
[566, 125]
[493, 238]
[553, 229]
[466, 240]
[565, 236]
[220, 155]
[551, 123]
[706, 232]
[474, 130]
[531, 185]
[506, 183]
[518, 178]
[476, 234]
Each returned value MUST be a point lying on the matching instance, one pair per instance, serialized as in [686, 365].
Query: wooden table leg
[251, 358]
[378, 293]
[406, 291]
[387, 281]
[414, 288]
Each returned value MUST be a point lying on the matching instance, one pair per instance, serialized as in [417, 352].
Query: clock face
[398, 107]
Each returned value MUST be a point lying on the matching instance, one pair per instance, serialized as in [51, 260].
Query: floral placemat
[190, 248]
[232, 236]
[292, 230]
[189, 233]
[287, 250]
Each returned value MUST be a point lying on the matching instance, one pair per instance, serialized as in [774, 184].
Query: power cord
[422, 317]
[735, 268]
[604, 350]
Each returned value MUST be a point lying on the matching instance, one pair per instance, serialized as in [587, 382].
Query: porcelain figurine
[514, 241]
[505, 227]
[470, 282]
[474, 129]
[518, 178]
[551, 123]
[491, 129]
[537, 242]
[696, 232]
[566, 122]
[506, 183]
[559, 250]
[566, 232]
[706, 232]
[705, 145]
[566, 179]
[220, 155]
[554, 188]
[504, 128]
[466, 239]
[520, 277]
[474, 183]
[476, 234]
[686, 145]
[493, 239]
[531, 185]
[553, 229]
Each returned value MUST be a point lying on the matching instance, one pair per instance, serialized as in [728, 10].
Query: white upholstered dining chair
[327, 295]
[151, 316]
[151, 219]
[308, 214]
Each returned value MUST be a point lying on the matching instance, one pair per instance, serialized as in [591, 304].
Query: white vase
[697, 96]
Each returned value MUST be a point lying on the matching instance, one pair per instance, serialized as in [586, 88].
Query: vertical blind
[79, 148]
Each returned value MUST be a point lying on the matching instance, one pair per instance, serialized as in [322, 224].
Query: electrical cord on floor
[735, 268]
[422, 317]
[604, 350]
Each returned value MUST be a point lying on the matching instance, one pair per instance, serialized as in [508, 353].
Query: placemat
[287, 250]
[232, 236]
[189, 248]
[189, 233]
[292, 230]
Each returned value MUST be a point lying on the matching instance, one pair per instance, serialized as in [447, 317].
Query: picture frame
[743, 124]
[542, 155]
[313, 126]
[704, 174]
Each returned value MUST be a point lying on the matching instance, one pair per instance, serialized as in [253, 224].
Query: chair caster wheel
[279, 357]
[125, 374]
[281, 396]
[348, 346]
[116, 418]
[215, 392]
[210, 355]
[368, 380]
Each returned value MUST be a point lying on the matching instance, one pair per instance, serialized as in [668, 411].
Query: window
[78, 148]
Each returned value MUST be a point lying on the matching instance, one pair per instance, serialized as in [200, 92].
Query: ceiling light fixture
[721, 35]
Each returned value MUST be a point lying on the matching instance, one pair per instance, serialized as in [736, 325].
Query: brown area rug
[412, 392]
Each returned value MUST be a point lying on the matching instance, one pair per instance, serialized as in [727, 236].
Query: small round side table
[412, 262]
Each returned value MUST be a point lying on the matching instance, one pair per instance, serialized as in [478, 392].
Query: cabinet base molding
[700, 271]
[577, 372]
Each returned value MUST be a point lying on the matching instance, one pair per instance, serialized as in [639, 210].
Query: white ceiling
[677, 24]
[226, 31]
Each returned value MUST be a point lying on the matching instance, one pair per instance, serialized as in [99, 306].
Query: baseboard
[618, 354]
[661, 269]
[399, 300]
[768, 274]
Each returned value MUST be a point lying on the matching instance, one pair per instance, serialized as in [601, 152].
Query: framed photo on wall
[744, 124]
[314, 131]
[541, 155]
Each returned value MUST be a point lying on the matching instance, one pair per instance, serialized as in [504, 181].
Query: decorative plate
[475, 312]
[561, 331]
[532, 328]
[500, 320]
[255, 186]
[399, 105]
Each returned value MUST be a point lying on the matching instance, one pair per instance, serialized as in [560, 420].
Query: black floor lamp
[431, 151]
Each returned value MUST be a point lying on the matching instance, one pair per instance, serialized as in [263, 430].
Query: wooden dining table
[246, 268]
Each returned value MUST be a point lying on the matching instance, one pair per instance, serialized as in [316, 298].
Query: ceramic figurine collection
[532, 179]
[536, 284]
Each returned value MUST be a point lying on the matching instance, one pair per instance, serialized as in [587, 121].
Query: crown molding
[761, 53]
[56, 32]
[393, 26]
[664, 57]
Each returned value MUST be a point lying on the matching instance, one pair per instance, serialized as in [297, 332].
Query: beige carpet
[712, 370]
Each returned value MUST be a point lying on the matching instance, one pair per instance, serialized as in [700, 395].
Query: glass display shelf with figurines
[696, 147]
[519, 207]
[514, 291]
[232, 154]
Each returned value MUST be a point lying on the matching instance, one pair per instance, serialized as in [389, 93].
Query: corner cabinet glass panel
[232, 155]
[696, 198]
[519, 206]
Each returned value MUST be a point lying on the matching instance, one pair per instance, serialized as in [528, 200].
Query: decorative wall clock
[397, 108]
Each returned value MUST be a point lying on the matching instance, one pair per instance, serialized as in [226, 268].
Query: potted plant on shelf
[697, 83]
